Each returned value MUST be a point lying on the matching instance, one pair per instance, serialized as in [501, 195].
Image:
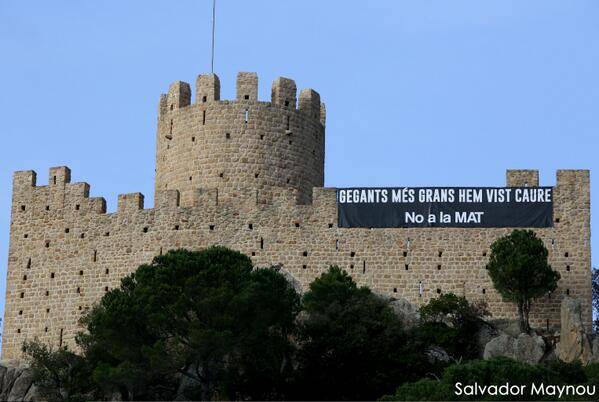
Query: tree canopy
[204, 317]
[520, 272]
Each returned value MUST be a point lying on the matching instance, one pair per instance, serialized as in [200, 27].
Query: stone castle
[249, 175]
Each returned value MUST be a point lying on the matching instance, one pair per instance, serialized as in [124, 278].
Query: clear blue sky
[418, 93]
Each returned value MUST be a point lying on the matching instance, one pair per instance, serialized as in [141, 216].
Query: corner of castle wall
[522, 177]
[284, 93]
[247, 86]
[167, 199]
[207, 88]
[309, 103]
[132, 202]
[24, 180]
[179, 95]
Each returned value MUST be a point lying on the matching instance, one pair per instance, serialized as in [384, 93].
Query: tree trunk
[521, 317]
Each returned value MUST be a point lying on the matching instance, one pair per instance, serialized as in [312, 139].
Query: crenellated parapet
[66, 251]
[228, 144]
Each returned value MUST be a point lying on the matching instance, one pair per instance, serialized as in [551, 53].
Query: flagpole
[213, 23]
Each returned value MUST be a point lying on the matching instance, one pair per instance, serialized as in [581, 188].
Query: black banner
[464, 207]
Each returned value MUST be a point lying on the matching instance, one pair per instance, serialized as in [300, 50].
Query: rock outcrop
[574, 341]
[407, 312]
[16, 383]
[525, 348]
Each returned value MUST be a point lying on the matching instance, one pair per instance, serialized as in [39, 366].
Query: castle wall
[231, 145]
[66, 251]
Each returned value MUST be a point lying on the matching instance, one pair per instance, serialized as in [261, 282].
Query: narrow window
[261, 137]
[256, 175]
[484, 291]
[47, 310]
[24, 277]
[203, 118]
[106, 289]
[211, 227]
[351, 266]
[566, 254]
[25, 235]
[176, 227]
[286, 103]
[77, 207]
[246, 116]
[297, 225]
[261, 243]
[253, 253]
[568, 292]
[405, 254]
[52, 275]
[556, 220]
[60, 339]
[222, 175]
[47, 243]
[145, 229]
[107, 271]
[288, 122]
[82, 235]
[47, 207]
[160, 250]
[364, 266]
[394, 290]
[47, 293]
[190, 178]
[246, 97]
[440, 253]
[204, 99]
[20, 312]
[352, 254]
[305, 253]
[438, 291]
[567, 268]
[484, 253]
[67, 230]
[170, 130]
[78, 290]
[54, 179]
[330, 224]
[193, 139]
[46, 329]
[80, 273]
[228, 136]
[439, 267]
[337, 245]
[22, 207]
[18, 330]
[407, 267]
[22, 295]
[95, 258]
[29, 263]
[250, 226]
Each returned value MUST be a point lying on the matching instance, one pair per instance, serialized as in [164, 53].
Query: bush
[496, 371]
[59, 375]
[352, 346]
[519, 270]
[451, 322]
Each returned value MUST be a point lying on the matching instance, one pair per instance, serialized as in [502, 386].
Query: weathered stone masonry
[249, 175]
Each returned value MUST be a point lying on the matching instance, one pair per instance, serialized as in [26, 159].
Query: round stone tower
[239, 145]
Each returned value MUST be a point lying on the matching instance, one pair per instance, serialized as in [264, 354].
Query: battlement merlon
[208, 88]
